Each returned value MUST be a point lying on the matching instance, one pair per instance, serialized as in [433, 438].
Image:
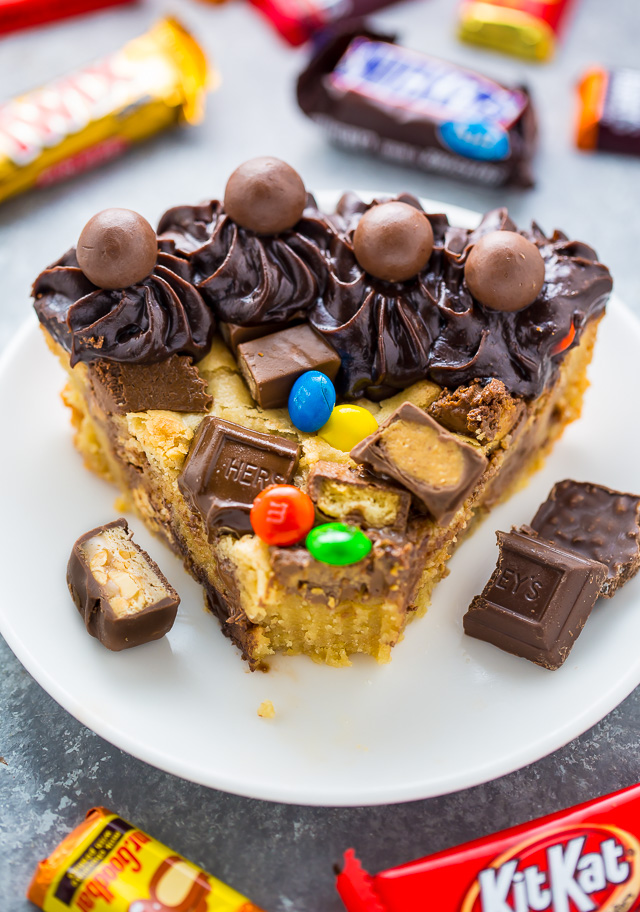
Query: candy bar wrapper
[298, 20]
[371, 94]
[107, 865]
[585, 859]
[20, 14]
[609, 117]
[526, 28]
[96, 113]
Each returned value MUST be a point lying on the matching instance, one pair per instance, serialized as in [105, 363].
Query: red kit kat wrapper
[585, 859]
[20, 14]
[299, 20]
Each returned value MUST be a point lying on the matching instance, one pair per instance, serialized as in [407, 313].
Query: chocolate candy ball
[504, 271]
[265, 195]
[393, 241]
[117, 248]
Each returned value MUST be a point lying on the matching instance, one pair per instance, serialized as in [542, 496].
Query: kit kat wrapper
[107, 865]
[95, 113]
[586, 858]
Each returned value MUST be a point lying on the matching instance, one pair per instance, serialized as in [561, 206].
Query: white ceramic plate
[449, 712]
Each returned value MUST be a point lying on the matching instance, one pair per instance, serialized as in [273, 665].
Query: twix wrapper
[527, 28]
[95, 113]
[107, 865]
[585, 859]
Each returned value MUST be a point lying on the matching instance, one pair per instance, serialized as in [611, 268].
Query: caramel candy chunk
[174, 384]
[122, 595]
[227, 466]
[439, 469]
[486, 411]
[537, 601]
[272, 364]
[343, 493]
[596, 522]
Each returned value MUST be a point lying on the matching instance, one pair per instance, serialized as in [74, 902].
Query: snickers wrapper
[585, 859]
[95, 113]
[371, 94]
[526, 28]
[107, 865]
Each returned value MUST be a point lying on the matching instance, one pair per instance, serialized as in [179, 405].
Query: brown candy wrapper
[94, 114]
[371, 94]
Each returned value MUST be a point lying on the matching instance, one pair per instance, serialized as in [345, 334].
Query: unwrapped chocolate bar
[371, 94]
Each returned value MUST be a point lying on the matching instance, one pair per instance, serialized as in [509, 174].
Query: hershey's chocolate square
[272, 364]
[227, 466]
[596, 522]
[537, 600]
[438, 468]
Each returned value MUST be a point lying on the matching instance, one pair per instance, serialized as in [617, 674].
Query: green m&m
[338, 544]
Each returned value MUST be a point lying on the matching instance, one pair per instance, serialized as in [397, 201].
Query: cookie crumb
[266, 710]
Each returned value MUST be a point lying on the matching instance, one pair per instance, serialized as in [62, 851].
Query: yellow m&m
[347, 426]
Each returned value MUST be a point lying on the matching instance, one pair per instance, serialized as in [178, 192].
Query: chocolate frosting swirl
[144, 323]
[248, 278]
[390, 335]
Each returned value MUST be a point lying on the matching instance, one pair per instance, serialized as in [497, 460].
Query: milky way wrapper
[586, 858]
[609, 117]
[107, 865]
[95, 113]
[526, 28]
[371, 94]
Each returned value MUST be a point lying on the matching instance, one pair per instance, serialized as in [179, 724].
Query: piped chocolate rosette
[256, 256]
[482, 304]
[122, 306]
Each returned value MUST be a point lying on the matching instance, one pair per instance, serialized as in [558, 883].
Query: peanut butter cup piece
[117, 248]
[265, 195]
[393, 241]
[504, 271]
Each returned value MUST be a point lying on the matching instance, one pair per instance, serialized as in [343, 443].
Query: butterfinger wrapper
[95, 113]
[107, 865]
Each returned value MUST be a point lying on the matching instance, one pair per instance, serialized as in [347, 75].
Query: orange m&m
[564, 344]
[282, 515]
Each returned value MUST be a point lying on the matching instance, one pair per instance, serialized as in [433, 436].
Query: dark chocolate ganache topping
[390, 335]
[160, 316]
[245, 277]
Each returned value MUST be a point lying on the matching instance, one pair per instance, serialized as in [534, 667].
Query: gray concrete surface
[54, 768]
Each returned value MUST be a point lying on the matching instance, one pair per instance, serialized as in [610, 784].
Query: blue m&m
[311, 401]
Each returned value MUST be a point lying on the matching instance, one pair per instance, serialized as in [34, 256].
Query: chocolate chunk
[173, 384]
[120, 592]
[272, 364]
[234, 334]
[393, 241]
[227, 467]
[265, 195]
[537, 601]
[596, 522]
[117, 248]
[343, 493]
[486, 411]
[439, 469]
[504, 271]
